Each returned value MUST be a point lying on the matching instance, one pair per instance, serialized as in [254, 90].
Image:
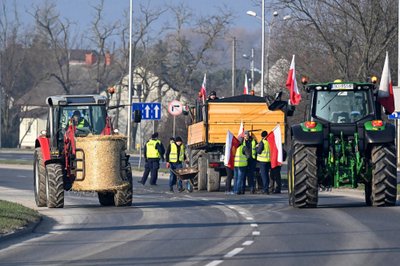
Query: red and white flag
[385, 92]
[203, 91]
[246, 86]
[231, 144]
[291, 85]
[241, 130]
[275, 146]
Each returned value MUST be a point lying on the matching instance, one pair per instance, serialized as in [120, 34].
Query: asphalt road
[201, 228]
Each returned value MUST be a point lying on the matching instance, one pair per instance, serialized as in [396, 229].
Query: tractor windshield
[342, 106]
[90, 119]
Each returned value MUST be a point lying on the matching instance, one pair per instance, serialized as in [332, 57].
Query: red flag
[241, 130]
[231, 144]
[203, 91]
[385, 92]
[291, 85]
[275, 146]
[246, 86]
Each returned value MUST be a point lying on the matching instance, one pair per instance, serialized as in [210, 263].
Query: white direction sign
[175, 108]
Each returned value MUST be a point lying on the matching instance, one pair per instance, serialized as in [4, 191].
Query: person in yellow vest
[78, 120]
[240, 164]
[153, 152]
[264, 161]
[251, 162]
[175, 157]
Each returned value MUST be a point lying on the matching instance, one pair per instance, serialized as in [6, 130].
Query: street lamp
[263, 22]
[251, 66]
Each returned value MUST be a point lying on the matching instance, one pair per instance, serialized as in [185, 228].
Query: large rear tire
[384, 175]
[39, 179]
[124, 197]
[304, 171]
[55, 185]
[106, 198]
[198, 159]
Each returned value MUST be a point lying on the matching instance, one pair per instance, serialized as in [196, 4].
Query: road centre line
[256, 233]
[248, 243]
[254, 225]
[214, 263]
[249, 218]
[233, 252]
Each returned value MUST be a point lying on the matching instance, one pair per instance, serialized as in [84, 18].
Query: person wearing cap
[251, 161]
[175, 156]
[78, 120]
[264, 161]
[153, 152]
[240, 164]
[213, 96]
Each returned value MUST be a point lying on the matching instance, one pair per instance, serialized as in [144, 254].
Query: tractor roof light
[304, 80]
[377, 123]
[310, 124]
[374, 79]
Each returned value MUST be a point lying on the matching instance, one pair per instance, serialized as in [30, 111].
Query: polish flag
[231, 144]
[274, 139]
[291, 85]
[246, 86]
[203, 91]
[241, 130]
[385, 92]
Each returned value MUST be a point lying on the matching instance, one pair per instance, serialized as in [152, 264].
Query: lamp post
[251, 66]
[263, 49]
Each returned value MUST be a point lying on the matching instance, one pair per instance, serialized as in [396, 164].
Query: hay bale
[102, 159]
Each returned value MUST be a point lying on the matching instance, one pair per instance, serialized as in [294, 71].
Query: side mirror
[137, 116]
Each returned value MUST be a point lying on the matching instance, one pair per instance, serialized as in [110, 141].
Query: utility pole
[262, 45]
[252, 68]
[1, 97]
[233, 65]
[129, 144]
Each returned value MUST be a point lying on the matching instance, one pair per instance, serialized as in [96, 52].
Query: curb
[19, 232]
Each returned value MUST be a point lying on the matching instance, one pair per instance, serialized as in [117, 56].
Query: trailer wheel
[384, 175]
[124, 197]
[39, 179]
[55, 185]
[198, 159]
[304, 171]
[106, 198]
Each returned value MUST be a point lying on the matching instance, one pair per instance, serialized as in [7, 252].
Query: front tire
[39, 176]
[305, 185]
[55, 185]
[384, 175]
[124, 197]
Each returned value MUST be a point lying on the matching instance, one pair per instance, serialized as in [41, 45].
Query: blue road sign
[150, 111]
[395, 115]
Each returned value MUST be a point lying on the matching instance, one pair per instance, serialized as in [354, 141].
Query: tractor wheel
[198, 159]
[305, 179]
[213, 180]
[55, 185]
[384, 175]
[39, 179]
[290, 179]
[106, 198]
[124, 197]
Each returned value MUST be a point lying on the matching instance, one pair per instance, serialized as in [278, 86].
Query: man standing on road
[264, 160]
[240, 167]
[153, 152]
[175, 156]
[251, 161]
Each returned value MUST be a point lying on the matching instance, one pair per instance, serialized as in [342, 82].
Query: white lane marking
[248, 243]
[220, 203]
[256, 233]
[233, 252]
[232, 207]
[249, 218]
[23, 176]
[215, 263]
[254, 225]
[242, 213]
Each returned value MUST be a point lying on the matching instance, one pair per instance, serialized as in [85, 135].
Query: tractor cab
[341, 103]
[80, 114]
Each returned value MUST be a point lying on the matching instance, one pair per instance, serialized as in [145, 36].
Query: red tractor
[59, 165]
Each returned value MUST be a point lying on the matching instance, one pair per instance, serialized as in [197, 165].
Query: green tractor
[343, 143]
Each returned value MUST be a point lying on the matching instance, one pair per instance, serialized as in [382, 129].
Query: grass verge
[14, 216]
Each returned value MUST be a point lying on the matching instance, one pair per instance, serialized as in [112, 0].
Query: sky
[79, 11]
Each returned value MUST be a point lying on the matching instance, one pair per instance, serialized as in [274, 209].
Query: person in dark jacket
[153, 151]
[275, 181]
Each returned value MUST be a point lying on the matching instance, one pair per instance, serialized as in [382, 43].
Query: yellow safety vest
[264, 156]
[253, 149]
[151, 151]
[173, 155]
[240, 158]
